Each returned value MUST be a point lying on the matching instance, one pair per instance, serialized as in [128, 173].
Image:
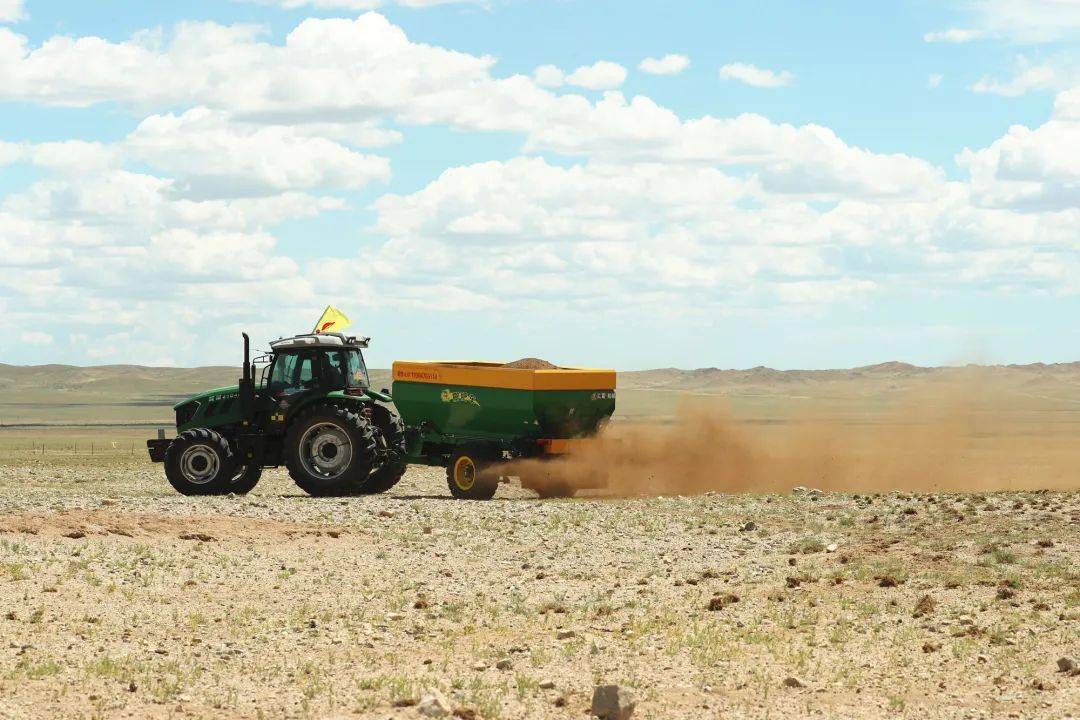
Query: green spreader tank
[470, 415]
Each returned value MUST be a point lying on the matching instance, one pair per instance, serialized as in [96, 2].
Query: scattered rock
[832, 547]
[1067, 665]
[931, 646]
[793, 682]
[565, 635]
[888, 581]
[612, 702]
[547, 684]
[1043, 685]
[925, 606]
[76, 534]
[199, 536]
[504, 664]
[465, 713]
[748, 526]
[1046, 543]
[433, 704]
[478, 666]
[722, 601]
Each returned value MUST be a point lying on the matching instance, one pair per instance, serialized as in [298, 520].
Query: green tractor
[312, 411]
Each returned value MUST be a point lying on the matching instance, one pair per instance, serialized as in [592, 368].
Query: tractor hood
[207, 396]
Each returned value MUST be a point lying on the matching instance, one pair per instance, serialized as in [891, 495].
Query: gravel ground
[119, 598]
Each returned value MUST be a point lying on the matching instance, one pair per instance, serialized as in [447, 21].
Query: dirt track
[118, 598]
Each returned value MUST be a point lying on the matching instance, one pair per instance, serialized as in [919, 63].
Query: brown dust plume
[956, 435]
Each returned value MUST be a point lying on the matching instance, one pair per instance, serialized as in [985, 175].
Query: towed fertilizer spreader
[312, 410]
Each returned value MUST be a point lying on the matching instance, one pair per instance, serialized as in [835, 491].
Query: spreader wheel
[466, 476]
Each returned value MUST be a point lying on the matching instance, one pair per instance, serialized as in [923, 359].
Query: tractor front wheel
[200, 462]
[244, 479]
[467, 476]
[330, 451]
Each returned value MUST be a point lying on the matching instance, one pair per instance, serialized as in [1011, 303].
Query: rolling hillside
[131, 394]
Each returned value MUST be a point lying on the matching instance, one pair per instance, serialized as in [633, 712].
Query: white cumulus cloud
[666, 65]
[12, 11]
[601, 75]
[757, 77]
[218, 157]
[549, 76]
[954, 35]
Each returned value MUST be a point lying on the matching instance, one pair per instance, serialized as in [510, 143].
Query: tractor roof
[319, 340]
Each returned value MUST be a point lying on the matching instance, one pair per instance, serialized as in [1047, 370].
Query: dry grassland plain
[935, 574]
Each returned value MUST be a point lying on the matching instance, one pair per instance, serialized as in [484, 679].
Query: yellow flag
[332, 321]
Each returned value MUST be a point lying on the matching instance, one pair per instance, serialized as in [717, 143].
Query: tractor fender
[335, 398]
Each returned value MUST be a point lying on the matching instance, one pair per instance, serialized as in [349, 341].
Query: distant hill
[108, 394]
[132, 394]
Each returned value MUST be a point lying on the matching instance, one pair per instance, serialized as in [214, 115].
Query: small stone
[799, 490]
[722, 601]
[924, 607]
[793, 682]
[888, 581]
[565, 635]
[748, 526]
[433, 704]
[612, 702]
[394, 616]
[832, 547]
[1067, 665]
[547, 684]
[931, 646]
[504, 664]
[478, 666]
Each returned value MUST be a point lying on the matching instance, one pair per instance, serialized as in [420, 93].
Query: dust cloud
[956, 436]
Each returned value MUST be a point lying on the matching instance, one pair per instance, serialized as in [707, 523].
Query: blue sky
[821, 185]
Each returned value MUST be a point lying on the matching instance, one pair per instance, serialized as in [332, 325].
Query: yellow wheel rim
[465, 472]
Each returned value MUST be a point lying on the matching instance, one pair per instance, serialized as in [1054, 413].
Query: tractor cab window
[292, 373]
[343, 369]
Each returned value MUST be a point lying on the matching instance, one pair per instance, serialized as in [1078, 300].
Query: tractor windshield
[357, 371]
[344, 369]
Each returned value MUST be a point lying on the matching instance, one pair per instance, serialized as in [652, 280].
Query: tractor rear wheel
[467, 478]
[200, 462]
[390, 438]
[330, 451]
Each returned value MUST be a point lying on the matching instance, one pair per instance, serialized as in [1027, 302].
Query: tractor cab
[314, 363]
